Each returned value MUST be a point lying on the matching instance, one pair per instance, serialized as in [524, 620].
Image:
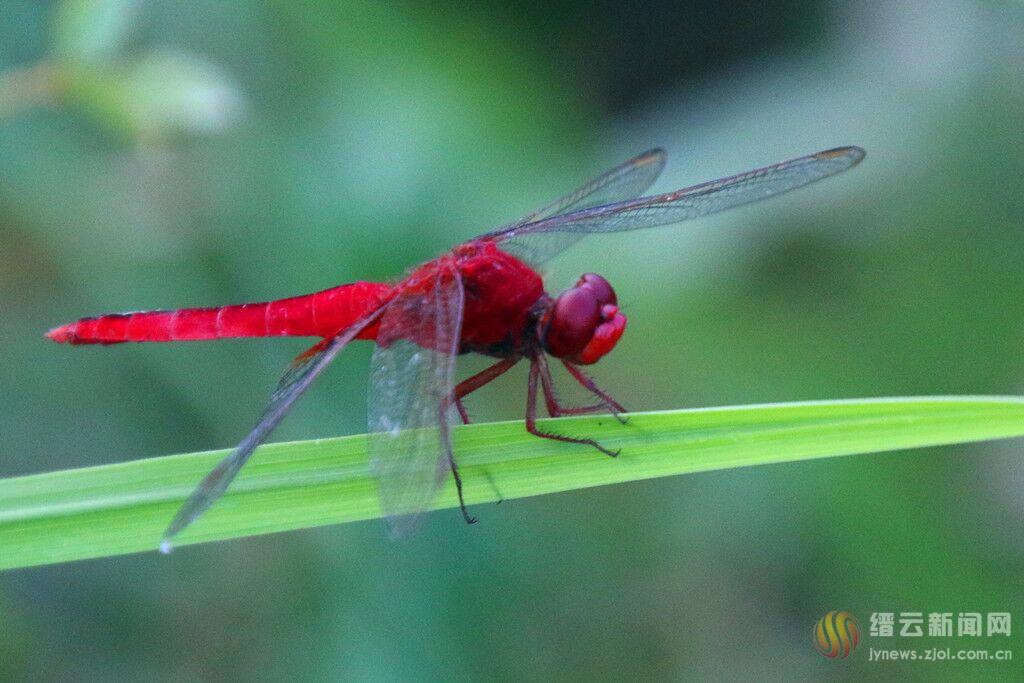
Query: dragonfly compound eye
[585, 321]
[601, 288]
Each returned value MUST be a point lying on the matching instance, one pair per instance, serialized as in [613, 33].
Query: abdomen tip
[61, 335]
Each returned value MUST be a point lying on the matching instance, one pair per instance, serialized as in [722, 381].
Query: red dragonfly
[484, 296]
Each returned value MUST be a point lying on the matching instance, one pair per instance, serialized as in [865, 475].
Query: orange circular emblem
[836, 635]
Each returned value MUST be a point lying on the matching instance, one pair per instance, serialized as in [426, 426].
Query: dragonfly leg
[613, 406]
[531, 417]
[446, 444]
[462, 410]
[458, 487]
[556, 409]
[471, 384]
[464, 388]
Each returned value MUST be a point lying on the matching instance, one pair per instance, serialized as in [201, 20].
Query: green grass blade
[123, 508]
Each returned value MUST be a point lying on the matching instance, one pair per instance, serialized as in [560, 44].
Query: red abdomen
[311, 315]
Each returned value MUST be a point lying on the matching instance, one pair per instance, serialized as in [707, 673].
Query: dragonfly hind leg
[463, 415]
[463, 389]
[449, 454]
[458, 487]
[471, 384]
[531, 412]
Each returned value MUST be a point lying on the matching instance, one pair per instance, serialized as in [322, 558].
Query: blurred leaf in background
[147, 96]
[218, 152]
[92, 31]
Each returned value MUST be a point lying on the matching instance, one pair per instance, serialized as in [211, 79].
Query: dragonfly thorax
[583, 323]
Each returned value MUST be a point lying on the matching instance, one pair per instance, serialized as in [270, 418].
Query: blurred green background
[162, 154]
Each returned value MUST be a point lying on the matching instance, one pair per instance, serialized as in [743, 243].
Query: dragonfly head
[584, 322]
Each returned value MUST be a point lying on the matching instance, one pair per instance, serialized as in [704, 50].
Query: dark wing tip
[853, 153]
[654, 155]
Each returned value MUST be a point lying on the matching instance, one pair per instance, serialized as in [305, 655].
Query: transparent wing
[542, 239]
[411, 382]
[292, 384]
[625, 181]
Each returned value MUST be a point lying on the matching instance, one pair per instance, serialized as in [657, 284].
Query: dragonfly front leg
[556, 409]
[531, 416]
[613, 406]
